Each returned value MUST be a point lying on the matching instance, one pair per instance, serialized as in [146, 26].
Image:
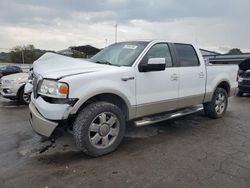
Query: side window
[9, 69]
[187, 55]
[16, 69]
[160, 51]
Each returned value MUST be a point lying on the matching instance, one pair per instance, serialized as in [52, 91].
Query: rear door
[192, 75]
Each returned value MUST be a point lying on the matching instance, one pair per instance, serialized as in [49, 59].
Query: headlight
[53, 88]
[20, 81]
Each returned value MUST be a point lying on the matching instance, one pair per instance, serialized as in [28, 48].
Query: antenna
[116, 33]
[106, 42]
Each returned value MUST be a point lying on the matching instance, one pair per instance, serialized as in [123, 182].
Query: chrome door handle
[127, 78]
[174, 77]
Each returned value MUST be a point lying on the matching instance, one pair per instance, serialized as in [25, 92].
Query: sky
[57, 24]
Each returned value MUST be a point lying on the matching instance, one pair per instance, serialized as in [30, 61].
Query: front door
[157, 91]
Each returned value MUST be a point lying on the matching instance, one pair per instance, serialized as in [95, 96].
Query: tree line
[27, 54]
[22, 54]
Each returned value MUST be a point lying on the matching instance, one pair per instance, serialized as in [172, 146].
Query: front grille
[36, 85]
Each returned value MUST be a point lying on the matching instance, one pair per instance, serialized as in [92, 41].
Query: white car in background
[12, 87]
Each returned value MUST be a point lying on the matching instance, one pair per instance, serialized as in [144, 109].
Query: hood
[16, 76]
[56, 66]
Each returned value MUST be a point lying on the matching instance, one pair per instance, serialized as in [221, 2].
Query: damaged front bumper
[39, 124]
[45, 116]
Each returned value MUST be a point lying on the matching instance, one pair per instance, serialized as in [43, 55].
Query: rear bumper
[39, 124]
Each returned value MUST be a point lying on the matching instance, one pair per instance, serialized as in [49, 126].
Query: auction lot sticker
[131, 47]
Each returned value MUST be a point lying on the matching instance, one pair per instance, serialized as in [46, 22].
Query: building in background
[217, 58]
[208, 55]
[86, 51]
[229, 59]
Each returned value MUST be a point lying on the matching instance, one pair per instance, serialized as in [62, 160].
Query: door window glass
[161, 51]
[186, 55]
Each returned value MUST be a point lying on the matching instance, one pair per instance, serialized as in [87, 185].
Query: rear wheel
[218, 106]
[23, 98]
[99, 128]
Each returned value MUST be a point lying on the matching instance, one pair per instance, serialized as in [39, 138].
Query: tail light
[238, 76]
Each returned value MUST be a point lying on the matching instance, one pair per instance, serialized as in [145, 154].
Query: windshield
[120, 54]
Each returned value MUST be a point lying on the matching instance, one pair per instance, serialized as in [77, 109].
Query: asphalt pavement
[192, 151]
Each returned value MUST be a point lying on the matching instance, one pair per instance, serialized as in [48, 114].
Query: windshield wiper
[106, 63]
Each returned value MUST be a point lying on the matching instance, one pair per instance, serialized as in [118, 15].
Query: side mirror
[153, 64]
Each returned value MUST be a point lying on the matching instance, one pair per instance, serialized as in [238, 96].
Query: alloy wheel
[220, 103]
[104, 130]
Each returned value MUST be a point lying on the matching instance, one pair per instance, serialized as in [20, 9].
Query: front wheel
[218, 106]
[99, 128]
[23, 98]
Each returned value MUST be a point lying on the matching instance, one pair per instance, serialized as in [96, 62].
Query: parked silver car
[12, 87]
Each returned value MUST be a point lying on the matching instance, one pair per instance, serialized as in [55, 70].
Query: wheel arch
[19, 90]
[225, 84]
[112, 97]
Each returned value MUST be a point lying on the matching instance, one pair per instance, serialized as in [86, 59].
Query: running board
[170, 115]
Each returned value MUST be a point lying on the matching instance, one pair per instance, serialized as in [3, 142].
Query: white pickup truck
[140, 81]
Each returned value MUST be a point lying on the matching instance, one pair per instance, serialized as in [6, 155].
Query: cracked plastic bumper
[39, 124]
[50, 111]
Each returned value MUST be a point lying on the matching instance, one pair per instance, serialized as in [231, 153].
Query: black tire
[239, 94]
[84, 120]
[21, 97]
[210, 107]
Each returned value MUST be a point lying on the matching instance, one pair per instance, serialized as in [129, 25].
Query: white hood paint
[17, 76]
[56, 66]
